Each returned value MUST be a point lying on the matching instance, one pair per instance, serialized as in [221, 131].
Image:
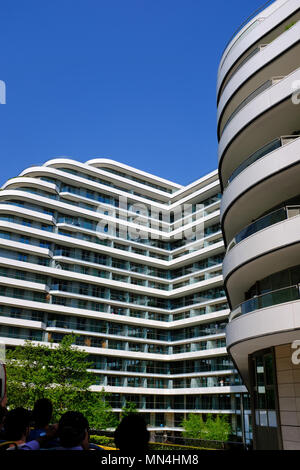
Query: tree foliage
[60, 374]
[213, 429]
[129, 408]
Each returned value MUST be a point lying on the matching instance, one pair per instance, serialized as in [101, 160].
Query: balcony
[84, 290]
[265, 86]
[61, 324]
[242, 34]
[252, 54]
[21, 333]
[272, 218]
[262, 152]
[23, 276]
[276, 297]
[24, 295]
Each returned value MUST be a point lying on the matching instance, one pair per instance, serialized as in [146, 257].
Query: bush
[102, 441]
[213, 429]
[177, 447]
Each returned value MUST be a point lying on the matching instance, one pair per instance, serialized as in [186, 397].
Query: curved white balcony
[14, 209]
[270, 250]
[31, 285]
[266, 85]
[108, 164]
[275, 324]
[272, 218]
[68, 178]
[204, 185]
[173, 391]
[268, 61]
[265, 117]
[251, 188]
[97, 164]
[25, 248]
[21, 322]
[262, 26]
[15, 183]
[122, 181]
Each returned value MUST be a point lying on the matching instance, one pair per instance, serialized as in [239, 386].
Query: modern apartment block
[259, 155]
[132, 263]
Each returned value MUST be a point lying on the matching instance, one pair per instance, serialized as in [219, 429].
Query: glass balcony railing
[257, 49]
[20, 333]
[272, 81]
[23, 276]
[272, 218]
[252, 54]
[262, 152]
[276, 297]
[24, 295]
[243, 33]
[96, 292]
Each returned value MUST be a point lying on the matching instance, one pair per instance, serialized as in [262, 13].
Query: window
[26, 222]
[43, 261]
[264, 388]
[5, 235]
[44, 244]
[15, 312]
[22, 257]
[47, 228]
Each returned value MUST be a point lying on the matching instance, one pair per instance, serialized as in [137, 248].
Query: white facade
[148, 307]
[259, 155]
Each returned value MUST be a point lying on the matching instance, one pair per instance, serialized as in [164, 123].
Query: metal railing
[26, 277]
[265, 86]
[272, 218]
[249, 56]
[28, 335]
[262, 152]
[241, 36]
[276, 297]
[256, 12]
[25, 295]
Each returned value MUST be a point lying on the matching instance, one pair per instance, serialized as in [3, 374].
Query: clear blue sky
[132, 80]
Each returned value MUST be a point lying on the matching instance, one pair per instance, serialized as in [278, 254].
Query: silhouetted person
[16, 425]
[3, 413]
[41, 415]
[73, 431]
[131, 435]
[16, 428]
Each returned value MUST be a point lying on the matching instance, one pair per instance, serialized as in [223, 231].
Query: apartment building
[259, 154]
[132, 263]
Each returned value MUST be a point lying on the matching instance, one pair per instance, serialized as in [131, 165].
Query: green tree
[129, 408]
[218, 428]
[60, 374]
[194, 427]
[213, 429]
[99, 412]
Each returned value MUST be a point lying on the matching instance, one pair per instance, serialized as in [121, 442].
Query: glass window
[264, 389]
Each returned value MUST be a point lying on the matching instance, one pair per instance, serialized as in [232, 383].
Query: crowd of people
[21, 429]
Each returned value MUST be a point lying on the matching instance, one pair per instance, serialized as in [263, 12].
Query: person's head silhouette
[42, 413]
[73, 431]
[131, 435]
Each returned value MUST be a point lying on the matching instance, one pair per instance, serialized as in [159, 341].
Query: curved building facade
[259, 170]
[132, 264]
